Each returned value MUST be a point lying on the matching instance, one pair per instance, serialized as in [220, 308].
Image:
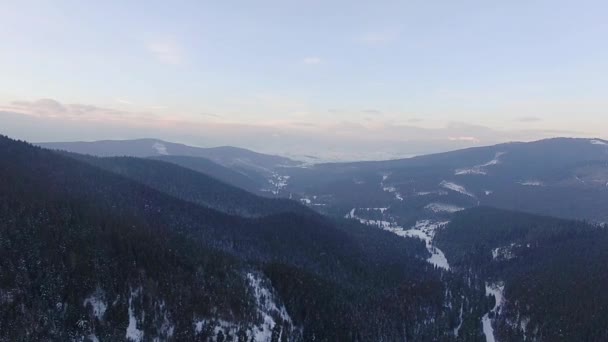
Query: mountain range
[148, 240]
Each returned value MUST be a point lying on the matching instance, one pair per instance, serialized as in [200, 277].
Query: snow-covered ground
[456, 187]
[305, 200]
[381, 210]
[496, 290]
[442, 208]
[504, 253]
[133, 333]
[457, 329]
[480, 169]
[268, 308]
[390, 188]
[310, 201]
[96, 300]
[598, 142]
[531, 183]
[423, 229]
[278, 183]
[470, 171]
[160, 148]
[394, 191]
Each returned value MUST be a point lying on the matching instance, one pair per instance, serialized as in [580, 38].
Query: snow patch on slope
[96, 300]
[394, 191]
[166, 328]
[457, 329]
[531, 183]
[390, 188]
[442, 208]
[133, 333]
[504, 253]
[598, 142]
[160, 148]
[278, 183]
[496, 290]
[425, 230]
[456, 187]
[480, 169]
[268, 308]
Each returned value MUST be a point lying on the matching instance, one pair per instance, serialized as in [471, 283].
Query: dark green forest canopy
[554, 270]
[69, 228]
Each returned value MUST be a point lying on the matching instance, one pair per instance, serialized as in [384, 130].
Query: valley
[303, 171]
[418, 237]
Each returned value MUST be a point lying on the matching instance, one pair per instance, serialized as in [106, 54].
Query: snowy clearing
[97, 303]
[423, 230]
[456, 187]
[504, 253]
[268, 308]
[278, 182]
[531, 183]
[496, 290]
[133, 334]
[442, 208]
[160, 148]
[480, 169]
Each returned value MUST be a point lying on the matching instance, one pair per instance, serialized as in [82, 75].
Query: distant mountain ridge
[193, 186]
[224, 155]
[563, 177]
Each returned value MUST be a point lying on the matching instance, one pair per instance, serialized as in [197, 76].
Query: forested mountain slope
[224, 155]
[193, 186]
[89, 253]
[248, 181]
[560, 177]
[553, 272]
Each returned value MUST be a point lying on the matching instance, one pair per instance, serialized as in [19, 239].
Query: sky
[331, 79]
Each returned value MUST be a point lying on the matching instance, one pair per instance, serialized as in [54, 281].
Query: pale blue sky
[368, 68]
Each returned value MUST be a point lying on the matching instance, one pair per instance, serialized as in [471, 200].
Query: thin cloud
[157, 107]
[372, 111]
[464, 139]
[41, 107]
[312, 60]
[529, 119]
[166, 52]
[50, 108]
[304, 124]
[211, 115]
[123, 101]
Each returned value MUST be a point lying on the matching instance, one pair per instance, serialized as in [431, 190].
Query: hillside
[256, 165]
[88, 253]
[250, 182]
[550, 272]
[194, 186]
[559, 177]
